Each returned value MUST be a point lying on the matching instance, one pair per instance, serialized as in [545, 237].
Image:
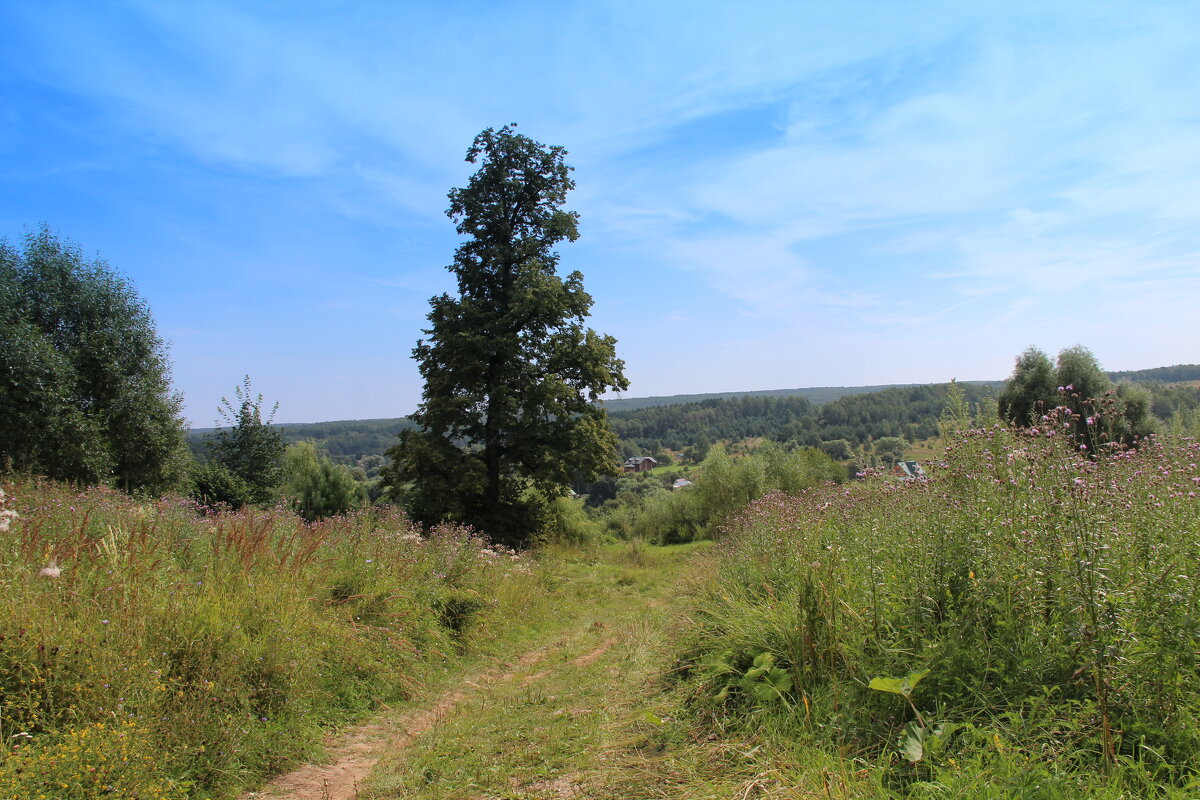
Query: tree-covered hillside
[679, 427]
[872, 413]
[910, 412]
[346, 441]
[1179, 373]
[816, 394]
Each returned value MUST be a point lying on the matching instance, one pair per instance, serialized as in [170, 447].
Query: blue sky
[772, 195]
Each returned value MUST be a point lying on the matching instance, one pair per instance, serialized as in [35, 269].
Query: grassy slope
[553, 727]
[1040, 590]
[975, 580]
[172, 655]
[606, 714]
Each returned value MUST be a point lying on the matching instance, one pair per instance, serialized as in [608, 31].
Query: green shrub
[570, 524]
[213, 485]
[317, 487]
[725, 485]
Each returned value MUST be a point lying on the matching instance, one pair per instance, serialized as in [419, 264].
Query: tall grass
[1041, 598]
[149, 650]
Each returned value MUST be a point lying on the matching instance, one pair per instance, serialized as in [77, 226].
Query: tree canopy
[317, 487]
[1031, 391]
[85, 389]
[1099, 412]
[247, 445]
[509, 412]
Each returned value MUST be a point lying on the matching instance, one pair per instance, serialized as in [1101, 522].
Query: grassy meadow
[150, 650]
[1023, 623]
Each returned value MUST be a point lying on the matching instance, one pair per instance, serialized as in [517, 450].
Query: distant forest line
[806, 416]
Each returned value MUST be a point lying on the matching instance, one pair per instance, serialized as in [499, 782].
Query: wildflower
[51, 570]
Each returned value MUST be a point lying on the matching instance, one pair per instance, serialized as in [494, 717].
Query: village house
[908, 469]
[639, 464]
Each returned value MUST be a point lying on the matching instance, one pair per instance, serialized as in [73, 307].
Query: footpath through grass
[602, 712]
[550, 728]
[1020, 625]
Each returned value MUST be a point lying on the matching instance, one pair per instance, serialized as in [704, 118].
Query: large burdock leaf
[901, 686]
[912, 743]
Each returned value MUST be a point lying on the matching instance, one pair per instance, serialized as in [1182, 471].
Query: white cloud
[905, 171]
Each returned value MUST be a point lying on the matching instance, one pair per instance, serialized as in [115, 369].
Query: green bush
[213, 486]
[725, 485]
[316, 487]
[570, 524]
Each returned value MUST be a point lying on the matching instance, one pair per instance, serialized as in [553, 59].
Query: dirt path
[538, 727]
[354, 753]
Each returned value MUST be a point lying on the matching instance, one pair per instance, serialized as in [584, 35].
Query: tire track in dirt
[355, 752]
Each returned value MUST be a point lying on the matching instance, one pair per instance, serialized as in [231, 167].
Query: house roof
[911, 469]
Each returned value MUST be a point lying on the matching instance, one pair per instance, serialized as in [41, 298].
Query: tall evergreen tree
[512, 376]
